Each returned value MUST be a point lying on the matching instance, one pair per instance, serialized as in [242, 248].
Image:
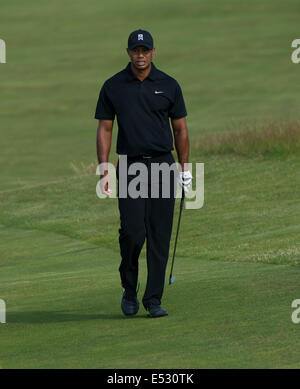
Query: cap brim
[133, 46]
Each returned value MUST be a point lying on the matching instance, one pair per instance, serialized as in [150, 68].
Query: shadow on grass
[58, 317]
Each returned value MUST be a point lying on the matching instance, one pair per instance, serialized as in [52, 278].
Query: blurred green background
[232, 59]
[237, 265]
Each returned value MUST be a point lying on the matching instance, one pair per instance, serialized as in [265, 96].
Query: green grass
[237, 264]
[64, 312]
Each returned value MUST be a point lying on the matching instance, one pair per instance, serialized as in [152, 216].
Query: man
[143, 99]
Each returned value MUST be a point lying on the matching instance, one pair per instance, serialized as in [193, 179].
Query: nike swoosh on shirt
[158, 91]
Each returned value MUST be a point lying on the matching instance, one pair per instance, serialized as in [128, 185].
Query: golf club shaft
[181, 207]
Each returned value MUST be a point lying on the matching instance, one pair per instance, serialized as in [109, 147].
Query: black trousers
[146, 219]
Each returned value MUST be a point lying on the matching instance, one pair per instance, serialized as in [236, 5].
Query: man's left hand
[185, 180]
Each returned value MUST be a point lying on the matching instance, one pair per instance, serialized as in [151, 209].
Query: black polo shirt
[143, 109]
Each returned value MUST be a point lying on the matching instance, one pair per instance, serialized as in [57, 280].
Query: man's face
[141, 57]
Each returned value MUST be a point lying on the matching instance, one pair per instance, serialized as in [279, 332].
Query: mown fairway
[237, 267]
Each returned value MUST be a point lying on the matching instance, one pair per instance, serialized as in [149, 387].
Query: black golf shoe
[156, 311]
[129, 306]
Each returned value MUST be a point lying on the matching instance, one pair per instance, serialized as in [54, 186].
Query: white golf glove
[185, 180]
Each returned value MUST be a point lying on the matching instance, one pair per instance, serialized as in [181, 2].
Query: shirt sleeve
[177, 109]
[105, 109]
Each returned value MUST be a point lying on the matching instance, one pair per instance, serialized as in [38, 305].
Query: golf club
[171, 278]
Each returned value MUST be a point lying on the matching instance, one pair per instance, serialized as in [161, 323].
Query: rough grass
[278, 138]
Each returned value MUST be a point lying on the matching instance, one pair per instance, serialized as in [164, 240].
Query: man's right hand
[105, 185]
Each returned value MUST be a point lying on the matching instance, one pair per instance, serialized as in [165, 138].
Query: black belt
[152, 155]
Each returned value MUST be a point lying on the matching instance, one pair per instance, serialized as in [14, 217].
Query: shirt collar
[153, 75]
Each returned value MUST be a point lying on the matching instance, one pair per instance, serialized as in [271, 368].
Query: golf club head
[171, 280]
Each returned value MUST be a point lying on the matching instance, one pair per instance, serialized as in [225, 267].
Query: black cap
[140, 38]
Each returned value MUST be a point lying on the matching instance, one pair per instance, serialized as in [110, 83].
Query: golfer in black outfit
[143, 99]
